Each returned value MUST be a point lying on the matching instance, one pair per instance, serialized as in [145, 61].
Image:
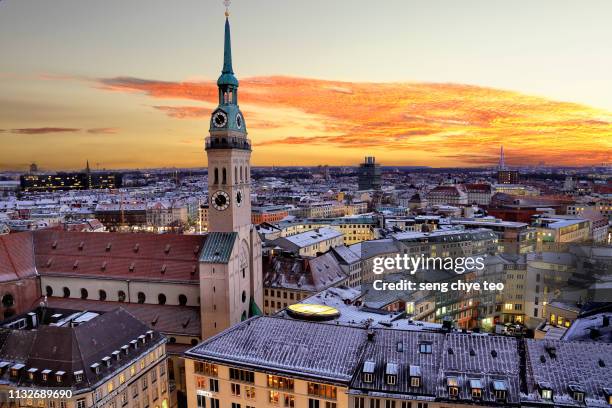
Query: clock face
[220, 200]
[238, 198]
[219, 119]
[239, 121]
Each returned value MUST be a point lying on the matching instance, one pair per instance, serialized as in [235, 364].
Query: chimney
[370, 334]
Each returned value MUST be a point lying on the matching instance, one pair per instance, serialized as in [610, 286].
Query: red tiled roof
[16, 257]
[167, 319]
[116, 255]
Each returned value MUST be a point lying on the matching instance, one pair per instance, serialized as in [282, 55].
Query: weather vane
[227, 4]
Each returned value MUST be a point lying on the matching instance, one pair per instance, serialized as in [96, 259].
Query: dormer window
[545, 390]
[95, 367]
[32, 373]
[44, 375]
[476, 388]
[107, 361]
[132, 266]
[391, 373]
[108, 247]
[59, 376]
[117, 355]
[150, 334]
[81, 245]
[500, 389]
[78, 376]
[136, 247]
[576, 391]
[608, 394]
[415, 376]
[453, 386]
[425, 348]
[142, 338]
[368, 371]
[16, 370]
[163, 268]
[134, 344]
[126, 349]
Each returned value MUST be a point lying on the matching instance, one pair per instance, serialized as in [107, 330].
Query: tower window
[224, 179]
[235, 173]
[216, 175]
[241, 179]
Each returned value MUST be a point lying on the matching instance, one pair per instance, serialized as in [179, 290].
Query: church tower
[230, 264]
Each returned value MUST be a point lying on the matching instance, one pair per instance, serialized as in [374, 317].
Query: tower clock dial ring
[220, 119]
[220, 200]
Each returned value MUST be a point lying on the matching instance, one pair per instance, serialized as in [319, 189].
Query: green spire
[227, 50]
[227, 73]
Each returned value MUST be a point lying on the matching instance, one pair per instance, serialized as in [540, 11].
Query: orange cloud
[404, 123]
[44, 130]
[103, 131]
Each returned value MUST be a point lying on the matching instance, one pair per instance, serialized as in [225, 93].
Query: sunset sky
[131, 84]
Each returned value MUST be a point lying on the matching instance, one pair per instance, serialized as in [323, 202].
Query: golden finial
[227, 4]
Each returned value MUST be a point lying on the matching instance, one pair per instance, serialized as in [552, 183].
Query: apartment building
[274, 361]
[78, 359]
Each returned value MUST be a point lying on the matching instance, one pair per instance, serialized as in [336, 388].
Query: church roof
[218, 247]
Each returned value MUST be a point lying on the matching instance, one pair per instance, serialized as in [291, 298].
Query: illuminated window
[273, 397]
[280, 383]
[322, 390]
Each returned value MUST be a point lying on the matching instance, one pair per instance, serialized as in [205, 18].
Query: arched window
[216, 175]
[243, 296]
[84, 293]
[182, 300]
[49, 291]
[224, 179]
[231, 96]
[121, 296]
[141, 297]
[102, 294]
[241, 179]
[66, 292]
[161, 299]
[8, 300]
[235, 174]
[225, 97]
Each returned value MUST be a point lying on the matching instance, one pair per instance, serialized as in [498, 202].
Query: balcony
[227, 142]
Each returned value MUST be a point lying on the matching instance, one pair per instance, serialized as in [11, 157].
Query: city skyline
[125, 106]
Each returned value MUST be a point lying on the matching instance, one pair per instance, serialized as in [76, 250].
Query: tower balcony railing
[227, 142]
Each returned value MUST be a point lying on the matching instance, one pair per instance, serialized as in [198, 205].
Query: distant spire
[502, 164]
[87, 167]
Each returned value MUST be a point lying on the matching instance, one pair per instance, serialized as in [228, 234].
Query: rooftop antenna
[227, 3]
